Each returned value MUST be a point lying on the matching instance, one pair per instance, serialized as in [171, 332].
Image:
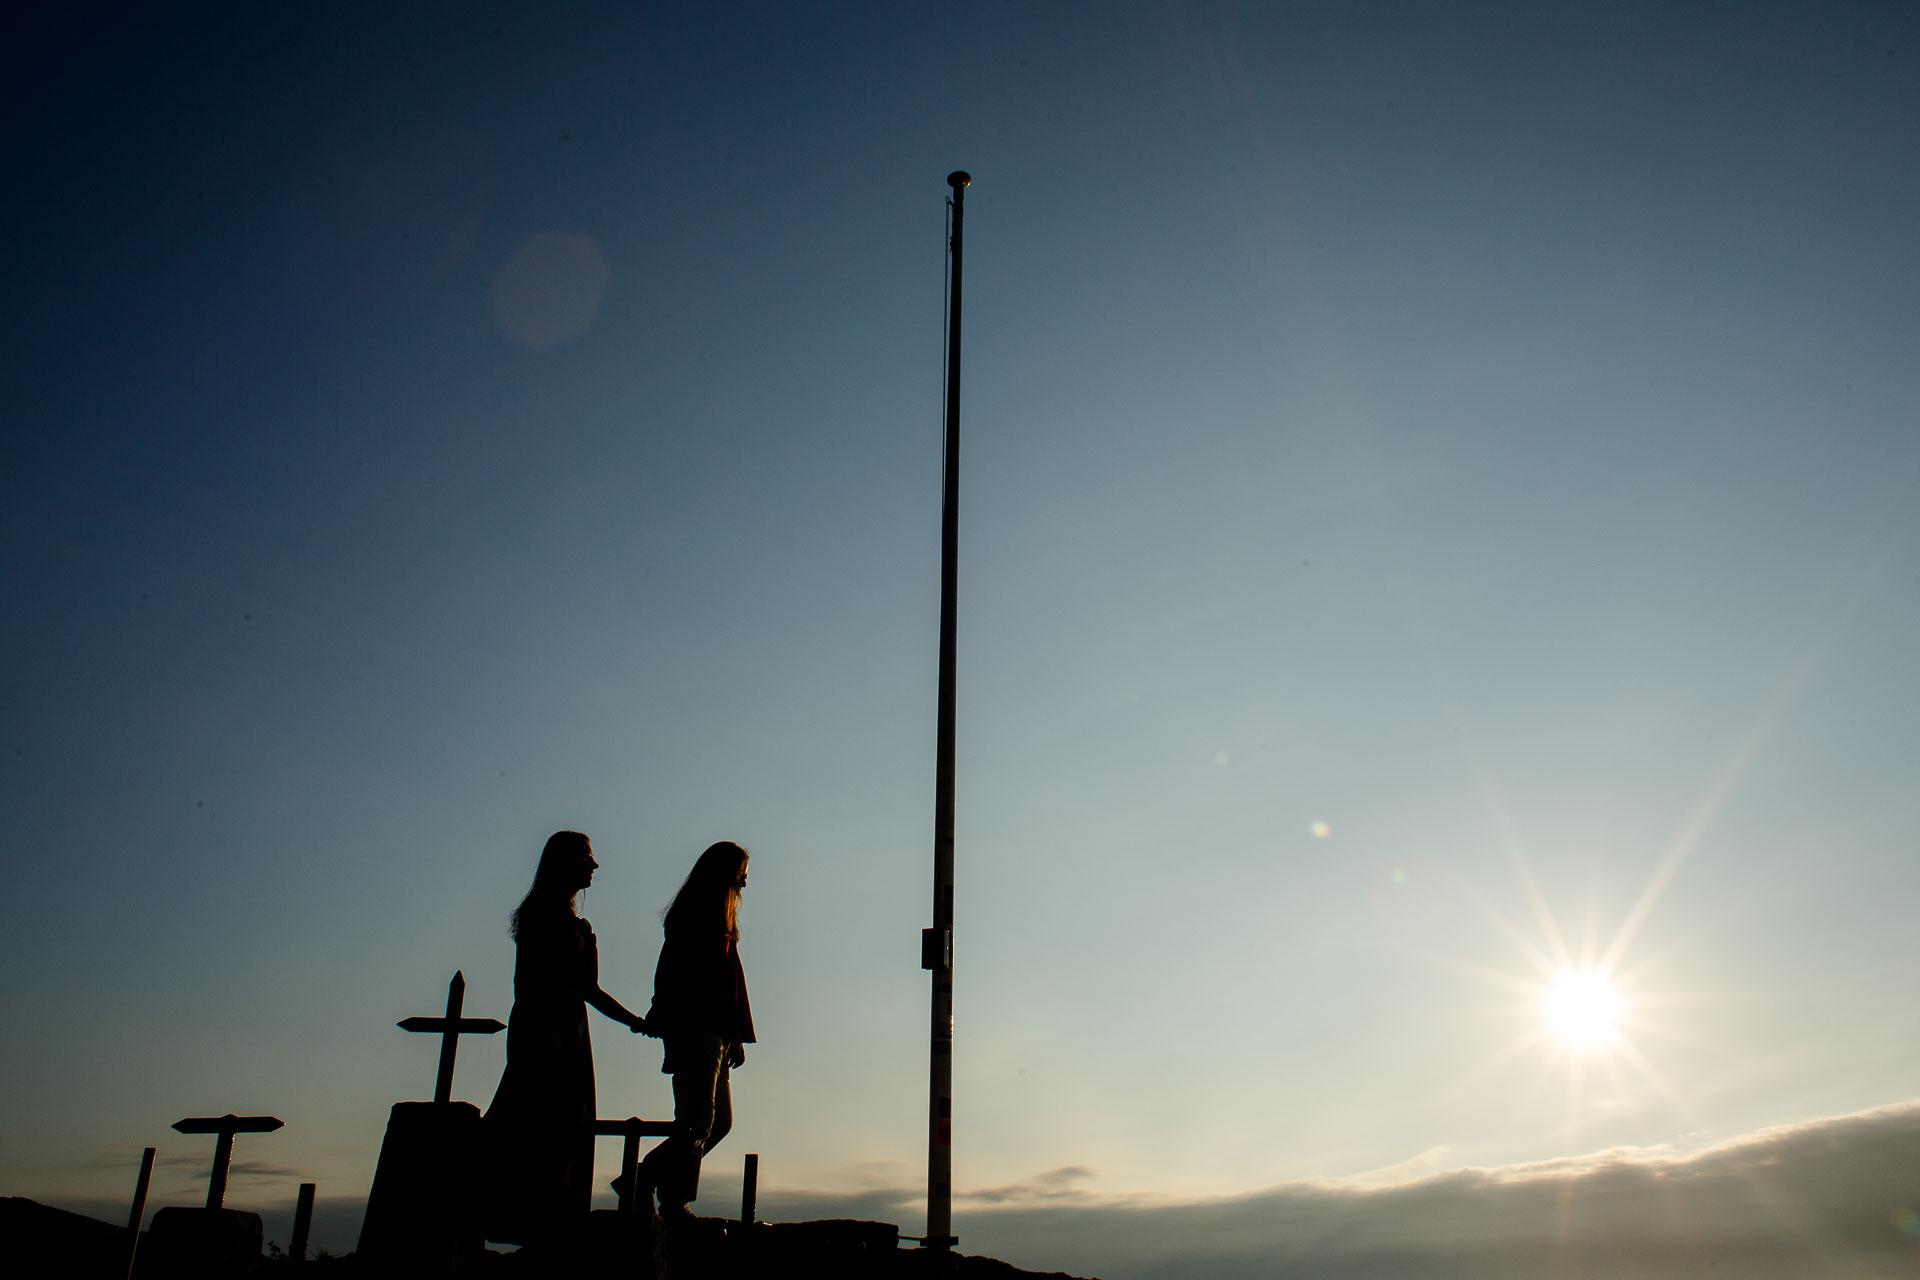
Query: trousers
[702, 1116]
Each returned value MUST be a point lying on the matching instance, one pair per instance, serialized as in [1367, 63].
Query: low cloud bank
[1832, 1198]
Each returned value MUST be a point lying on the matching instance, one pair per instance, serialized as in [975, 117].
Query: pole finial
[959, 178]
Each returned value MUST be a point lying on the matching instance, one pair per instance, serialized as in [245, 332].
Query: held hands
[639, 1026]
[736, 1055]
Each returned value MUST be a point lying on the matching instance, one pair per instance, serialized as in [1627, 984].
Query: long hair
[552, 893]
[711, 895]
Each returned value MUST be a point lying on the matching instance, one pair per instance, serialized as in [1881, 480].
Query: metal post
[302, 1224]
[139, 1208]
[937, 950]
[749, 1186]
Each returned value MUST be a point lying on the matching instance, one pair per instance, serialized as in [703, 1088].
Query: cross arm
[633, 1125]
[228, 1123]
[460, 1026]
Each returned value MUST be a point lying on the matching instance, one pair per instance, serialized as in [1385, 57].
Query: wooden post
[451, 1028]
[633, 1128]
[225, 1127]
[630, 1171]
[222, 1162]
[302, 1223]
[749, 1186]
[139, 1208]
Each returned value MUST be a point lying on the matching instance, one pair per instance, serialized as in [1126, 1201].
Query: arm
[590, 979]
[615, 1010]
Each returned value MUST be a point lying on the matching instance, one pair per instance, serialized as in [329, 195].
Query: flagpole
[936, 950]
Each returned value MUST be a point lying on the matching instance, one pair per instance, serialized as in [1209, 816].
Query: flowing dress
[539, 1129]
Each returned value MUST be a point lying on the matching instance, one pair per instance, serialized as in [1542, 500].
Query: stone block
[200, 1244]
[422, 1214]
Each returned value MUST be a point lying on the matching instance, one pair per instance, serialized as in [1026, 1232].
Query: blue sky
[1438, 509]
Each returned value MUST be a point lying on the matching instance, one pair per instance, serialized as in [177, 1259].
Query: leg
[722, 1123]
[673, 1167]
[722, 1105]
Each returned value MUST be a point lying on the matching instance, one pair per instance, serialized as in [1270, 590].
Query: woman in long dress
[538, 1130]
[700, 1010]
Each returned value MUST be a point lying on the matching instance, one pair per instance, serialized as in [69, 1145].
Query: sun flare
[1584, 1008]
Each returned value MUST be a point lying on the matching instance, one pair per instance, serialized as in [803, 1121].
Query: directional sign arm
[464, 1026]
[228, 1123]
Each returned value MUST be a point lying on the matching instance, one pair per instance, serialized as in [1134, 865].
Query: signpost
[633, 1128]
[451, 1028]
[225, 1126]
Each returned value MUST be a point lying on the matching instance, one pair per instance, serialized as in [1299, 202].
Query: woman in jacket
[700, 1010]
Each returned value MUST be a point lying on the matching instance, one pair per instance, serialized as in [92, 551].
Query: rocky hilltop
[40, 1241]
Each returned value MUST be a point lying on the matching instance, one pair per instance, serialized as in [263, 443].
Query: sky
[1437, 529]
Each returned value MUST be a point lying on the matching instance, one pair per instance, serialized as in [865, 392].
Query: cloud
[1055, 1184]
[121, 1155]
[1408, 1170]
[1837, 1197]
[262, 1169]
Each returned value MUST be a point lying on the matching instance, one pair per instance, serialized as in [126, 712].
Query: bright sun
[1584, 1008]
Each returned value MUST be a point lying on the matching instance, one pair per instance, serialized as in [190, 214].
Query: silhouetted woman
[700, 1010]
[538, 1128]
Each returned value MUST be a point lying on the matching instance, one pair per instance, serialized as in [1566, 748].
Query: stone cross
[451, 1028]
[226, 1126]
[633, 1128]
